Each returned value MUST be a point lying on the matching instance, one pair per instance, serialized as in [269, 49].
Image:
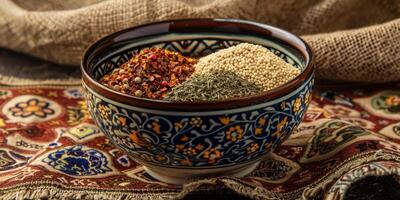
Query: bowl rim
[283, 36]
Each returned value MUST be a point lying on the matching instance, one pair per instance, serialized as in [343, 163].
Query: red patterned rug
[51, 149]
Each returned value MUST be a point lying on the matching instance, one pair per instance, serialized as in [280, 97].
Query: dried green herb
[211, 86]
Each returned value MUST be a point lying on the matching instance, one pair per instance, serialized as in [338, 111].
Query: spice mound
[212, 86]
[250, 62]
[151, 73]
[242, 70]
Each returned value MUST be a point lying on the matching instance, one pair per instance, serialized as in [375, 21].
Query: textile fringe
[304, 192]
[231, 183]
[362, 159]
[335, 195]
[53, 192]
[249, 191]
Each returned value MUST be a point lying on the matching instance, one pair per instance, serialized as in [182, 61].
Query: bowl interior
[195, 38]
[189, 44]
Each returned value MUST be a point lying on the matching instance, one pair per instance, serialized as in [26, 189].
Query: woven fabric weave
[353, 40]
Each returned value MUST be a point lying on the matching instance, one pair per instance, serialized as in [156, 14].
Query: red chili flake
[153, 57]
[164, 83]
[151, 73]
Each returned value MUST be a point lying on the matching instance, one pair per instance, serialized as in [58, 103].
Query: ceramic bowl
[177, 142]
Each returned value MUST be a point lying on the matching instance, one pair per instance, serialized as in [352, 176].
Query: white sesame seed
[138, 80]
[116, 87]
[252, 62]
[138, 93]
[126, 86]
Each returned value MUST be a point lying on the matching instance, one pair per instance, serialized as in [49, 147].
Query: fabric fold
[50, 148]
[352, 40]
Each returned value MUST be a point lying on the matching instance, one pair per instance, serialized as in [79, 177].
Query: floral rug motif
[50, 148]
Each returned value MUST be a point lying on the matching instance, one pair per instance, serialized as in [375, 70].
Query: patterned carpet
[50, 148]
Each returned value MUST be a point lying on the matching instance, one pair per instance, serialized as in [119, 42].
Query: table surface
[13, 64]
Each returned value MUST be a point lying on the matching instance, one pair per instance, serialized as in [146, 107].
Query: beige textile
[353, 40]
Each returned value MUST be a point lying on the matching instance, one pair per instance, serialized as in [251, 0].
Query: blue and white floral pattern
[124, 161]
[73, 93]
[202, 139]
[207, 139]
[78, 161]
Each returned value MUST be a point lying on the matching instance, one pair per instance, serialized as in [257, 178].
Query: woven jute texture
[353, 40]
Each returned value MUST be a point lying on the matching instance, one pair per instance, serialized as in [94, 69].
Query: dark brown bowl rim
[280, 91]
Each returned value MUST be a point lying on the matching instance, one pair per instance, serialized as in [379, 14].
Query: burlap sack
[354, 40]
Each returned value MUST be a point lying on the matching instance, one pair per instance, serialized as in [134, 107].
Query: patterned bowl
[177, 142]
